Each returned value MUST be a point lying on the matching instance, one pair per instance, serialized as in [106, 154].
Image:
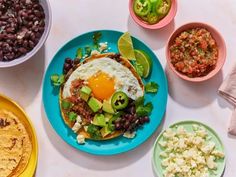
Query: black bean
[67, 66]
[126, 125]
[31, 44]
[25, 44]
[22, 50]
[41, 29]
[146, 119]
[68, 60]
[27, 34]
[10, 30]
[1, 55]
[118, 126]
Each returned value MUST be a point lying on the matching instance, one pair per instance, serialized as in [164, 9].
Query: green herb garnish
[88, 50]
[66, 104]
[57, 80]
[79, 53]
[139, 102]
[151, 87]
[144, 110]
[72, 116]
[96, 37]
[94, 131]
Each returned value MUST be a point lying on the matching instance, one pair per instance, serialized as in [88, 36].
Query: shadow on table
[156, 39]
[97, 162]
[190, 94]
[23, 81]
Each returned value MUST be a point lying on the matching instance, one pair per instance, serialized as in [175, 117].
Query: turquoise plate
[119, 144]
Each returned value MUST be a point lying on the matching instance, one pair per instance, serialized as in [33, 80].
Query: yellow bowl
[10, 105]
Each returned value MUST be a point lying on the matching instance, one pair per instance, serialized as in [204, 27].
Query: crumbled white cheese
[208, 148]
[78, 119]
[76, 127]
[188, 154]
[86, 128]
[77, 124]
[102, 46]
[129, 135]
[218, 154]
[211, 162]
[81, 139]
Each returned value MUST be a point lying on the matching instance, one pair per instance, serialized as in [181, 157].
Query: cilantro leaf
[94, 131]
[57, 80]
[79, 53]
[139, 102]
[72, 116]
[151, 87]
[88, 50]
[144, 110]
[96, 37]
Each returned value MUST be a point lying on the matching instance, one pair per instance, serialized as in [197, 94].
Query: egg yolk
[102, 85]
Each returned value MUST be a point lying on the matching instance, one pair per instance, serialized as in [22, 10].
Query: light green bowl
[156, 159]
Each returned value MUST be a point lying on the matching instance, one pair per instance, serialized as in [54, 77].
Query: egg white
[124, 78]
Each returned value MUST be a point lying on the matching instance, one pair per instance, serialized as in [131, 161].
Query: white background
[186, 100]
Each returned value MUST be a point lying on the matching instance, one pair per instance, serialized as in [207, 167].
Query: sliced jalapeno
[142, 7]
[163, 7]
[152, 18]
[119, 100]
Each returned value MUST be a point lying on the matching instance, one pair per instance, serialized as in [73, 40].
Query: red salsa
[194, 52]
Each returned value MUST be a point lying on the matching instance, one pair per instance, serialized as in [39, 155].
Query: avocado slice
[105, 131]
[99, 120]
[107, 107]
[94, 104]
[85, 92]
[108, 116]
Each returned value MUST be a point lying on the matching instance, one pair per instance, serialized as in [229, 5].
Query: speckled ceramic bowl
[164, 22]
[48, 21]
[220, 43]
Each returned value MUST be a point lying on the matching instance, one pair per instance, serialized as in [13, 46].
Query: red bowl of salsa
[196, 52]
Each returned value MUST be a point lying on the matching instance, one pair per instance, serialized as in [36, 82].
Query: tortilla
[15, 145]
[119, 59]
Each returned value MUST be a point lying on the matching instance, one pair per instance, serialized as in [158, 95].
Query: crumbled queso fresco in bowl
[188, 154]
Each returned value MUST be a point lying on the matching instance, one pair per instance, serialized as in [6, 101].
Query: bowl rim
[166, 20]
[41, 42]
[222, 49]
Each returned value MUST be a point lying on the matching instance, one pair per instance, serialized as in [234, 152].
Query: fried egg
[105, 76]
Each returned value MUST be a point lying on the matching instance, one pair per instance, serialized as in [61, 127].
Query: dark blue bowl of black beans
[24, 28]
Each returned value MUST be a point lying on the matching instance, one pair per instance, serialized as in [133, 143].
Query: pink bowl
[165, 21]
[221, 47]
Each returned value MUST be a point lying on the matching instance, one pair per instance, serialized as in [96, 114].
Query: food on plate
[15, 145]
[22, 24]
[125, 46]
[188, 153]
[95, 92]
[194, 52]
[151, 11]
[102, 93]
[144, 60]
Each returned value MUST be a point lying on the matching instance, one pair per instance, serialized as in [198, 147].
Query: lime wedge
[125, 46]
[143, 59]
